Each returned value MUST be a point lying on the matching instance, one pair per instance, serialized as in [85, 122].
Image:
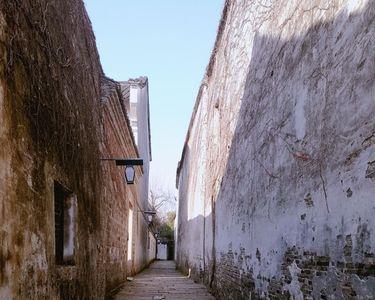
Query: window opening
[65, 204]
[130, 232]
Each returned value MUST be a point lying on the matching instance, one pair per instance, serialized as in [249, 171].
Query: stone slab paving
[161, 281]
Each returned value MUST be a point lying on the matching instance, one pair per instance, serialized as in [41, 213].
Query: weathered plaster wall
[143, 143]
[56, 122]
[118, 141]
[144, 135]
[151, 247]
[136, 99]
[276, 183]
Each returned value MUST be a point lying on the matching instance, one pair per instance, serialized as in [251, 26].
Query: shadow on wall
[182, 216]
[293, 213]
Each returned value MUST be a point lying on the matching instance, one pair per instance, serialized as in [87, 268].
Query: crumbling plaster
[273, 191]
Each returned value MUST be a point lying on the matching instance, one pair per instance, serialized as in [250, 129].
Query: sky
[170, 42]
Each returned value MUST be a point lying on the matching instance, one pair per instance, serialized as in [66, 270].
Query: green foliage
[165, 226]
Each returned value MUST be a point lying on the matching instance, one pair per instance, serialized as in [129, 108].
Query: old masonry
[70, 228]
[277, 176]
[276, 180]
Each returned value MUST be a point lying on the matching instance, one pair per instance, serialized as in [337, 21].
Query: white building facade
[136, 101]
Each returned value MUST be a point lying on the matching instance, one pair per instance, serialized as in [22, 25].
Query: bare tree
[162, 201]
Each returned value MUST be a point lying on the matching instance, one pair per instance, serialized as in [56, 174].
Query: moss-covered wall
[50, 78]
[51, 128]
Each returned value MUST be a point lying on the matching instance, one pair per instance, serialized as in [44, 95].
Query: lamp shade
[129, 174]
[149, 217]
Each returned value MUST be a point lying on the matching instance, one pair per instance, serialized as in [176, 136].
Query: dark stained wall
[53, 126]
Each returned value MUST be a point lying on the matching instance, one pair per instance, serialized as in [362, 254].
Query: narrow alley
[187, 150]
[161, 281]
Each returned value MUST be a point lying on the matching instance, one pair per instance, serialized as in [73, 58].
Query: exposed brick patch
[308, 200]
[348, 247]
[233, 281]
[370, 172]
[258, 255]
[284, 93]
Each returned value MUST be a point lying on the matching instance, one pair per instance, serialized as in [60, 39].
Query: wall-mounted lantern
[129, 174]
[129, 163]
[149, 217]
[149, 214]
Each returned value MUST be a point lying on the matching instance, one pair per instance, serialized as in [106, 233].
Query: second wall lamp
[129, 163]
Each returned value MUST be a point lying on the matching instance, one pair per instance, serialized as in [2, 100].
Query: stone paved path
[161, 281]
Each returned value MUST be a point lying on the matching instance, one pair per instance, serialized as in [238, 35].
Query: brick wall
[58, 119]
[118, 141]
[275, 184]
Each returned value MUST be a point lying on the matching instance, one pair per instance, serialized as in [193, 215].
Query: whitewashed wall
[276, 184]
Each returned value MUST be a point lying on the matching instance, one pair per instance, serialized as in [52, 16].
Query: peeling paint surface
[300, 119]
[283, 146]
